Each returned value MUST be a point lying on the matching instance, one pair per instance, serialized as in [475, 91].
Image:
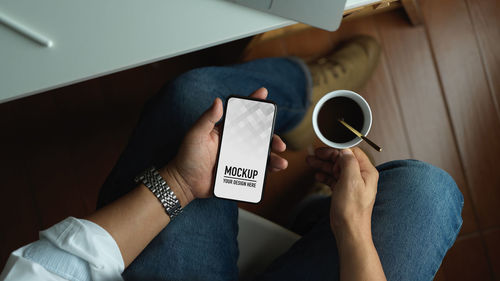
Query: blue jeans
[416, 217]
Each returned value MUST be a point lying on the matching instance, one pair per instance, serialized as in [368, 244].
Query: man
[395, 222]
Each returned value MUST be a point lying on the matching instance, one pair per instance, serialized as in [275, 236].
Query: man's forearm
[136, 218]
[133, 221]
[359, 259]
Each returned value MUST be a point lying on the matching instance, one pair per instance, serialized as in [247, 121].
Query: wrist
[351, 223]
[177, 184]
[353, 234]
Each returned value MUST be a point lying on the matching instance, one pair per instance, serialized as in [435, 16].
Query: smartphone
[245, 144]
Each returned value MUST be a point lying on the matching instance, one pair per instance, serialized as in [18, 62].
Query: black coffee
[340, 108]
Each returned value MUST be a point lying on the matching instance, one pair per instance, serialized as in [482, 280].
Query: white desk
[94, 37]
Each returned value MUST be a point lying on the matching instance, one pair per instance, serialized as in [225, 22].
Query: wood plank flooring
[423, 107]
[435, 97]
[485, 19]
[470, 102]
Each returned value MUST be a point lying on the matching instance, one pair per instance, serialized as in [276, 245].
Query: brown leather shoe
[347, 68]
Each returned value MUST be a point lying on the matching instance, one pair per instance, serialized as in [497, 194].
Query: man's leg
[416, 218]
[201, 243]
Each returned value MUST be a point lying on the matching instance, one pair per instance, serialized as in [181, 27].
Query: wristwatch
[152, 179]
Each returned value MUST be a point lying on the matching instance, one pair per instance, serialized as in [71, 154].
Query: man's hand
[353, 180]
[190, 173]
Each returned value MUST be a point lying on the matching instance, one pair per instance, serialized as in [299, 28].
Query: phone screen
[244, 149]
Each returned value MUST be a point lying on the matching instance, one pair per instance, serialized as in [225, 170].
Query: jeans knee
[196, 83]
[193, 91]
[425, 187]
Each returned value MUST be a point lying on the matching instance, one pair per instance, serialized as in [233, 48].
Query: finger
[212, 115]
[336, 170]
[277, 162]
[324, 178]
[324, 152]
[368, 171]
[363, 160]
[217, 128]
[260, 93]
[274, 170]
[327, 153]
[278, 145]
[349, 166]
[321, 165]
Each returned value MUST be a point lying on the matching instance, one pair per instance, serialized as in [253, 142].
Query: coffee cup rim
[365, 108]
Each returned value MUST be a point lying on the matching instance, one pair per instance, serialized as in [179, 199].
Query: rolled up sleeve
[74, 249]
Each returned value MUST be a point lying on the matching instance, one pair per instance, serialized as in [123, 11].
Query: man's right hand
[353, 180]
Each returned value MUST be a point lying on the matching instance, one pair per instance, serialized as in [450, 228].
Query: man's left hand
[190, 173]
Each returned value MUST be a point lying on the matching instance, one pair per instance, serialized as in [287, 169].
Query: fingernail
[346, 151]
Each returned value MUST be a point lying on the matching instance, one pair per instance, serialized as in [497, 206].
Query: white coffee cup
[365, 108]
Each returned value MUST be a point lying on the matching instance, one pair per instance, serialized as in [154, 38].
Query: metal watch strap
[152, 179]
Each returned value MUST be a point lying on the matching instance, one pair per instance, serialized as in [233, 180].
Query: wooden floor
[435, 97]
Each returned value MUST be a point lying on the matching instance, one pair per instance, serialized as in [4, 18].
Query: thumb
[208, 119]
[349, 166]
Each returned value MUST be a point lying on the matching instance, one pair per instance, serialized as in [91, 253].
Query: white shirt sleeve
[74, 249]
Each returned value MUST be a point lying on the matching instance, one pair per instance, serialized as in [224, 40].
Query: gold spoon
[372, 144]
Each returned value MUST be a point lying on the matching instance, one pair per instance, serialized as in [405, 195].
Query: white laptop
[325, 14]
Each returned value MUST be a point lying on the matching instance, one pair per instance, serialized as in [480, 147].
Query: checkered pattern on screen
[249, 125]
